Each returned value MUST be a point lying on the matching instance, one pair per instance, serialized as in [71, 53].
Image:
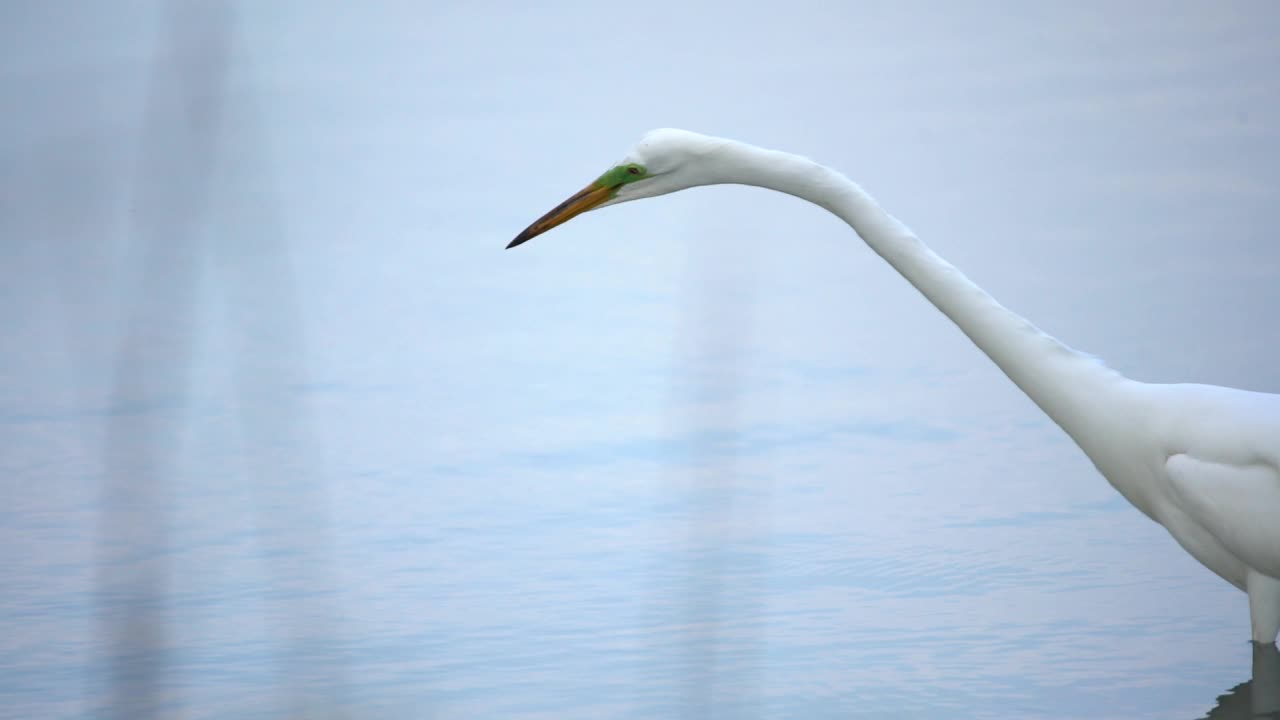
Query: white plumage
[1203, 461]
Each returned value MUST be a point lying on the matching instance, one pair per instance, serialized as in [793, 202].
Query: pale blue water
[285, 433]
[347, 576]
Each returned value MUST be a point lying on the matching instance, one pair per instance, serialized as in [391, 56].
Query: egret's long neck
[1064, 383]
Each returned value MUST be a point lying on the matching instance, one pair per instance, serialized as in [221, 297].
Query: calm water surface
[285, 433]
[347, 575]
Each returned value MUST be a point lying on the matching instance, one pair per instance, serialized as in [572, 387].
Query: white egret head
[664, 161]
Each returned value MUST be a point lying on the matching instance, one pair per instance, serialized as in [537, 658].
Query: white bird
[1203, 461]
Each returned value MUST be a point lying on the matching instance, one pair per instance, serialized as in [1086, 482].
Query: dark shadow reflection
[1256, 698]
[183, 125]
[205, 228]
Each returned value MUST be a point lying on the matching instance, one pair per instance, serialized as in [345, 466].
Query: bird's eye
[633, 170]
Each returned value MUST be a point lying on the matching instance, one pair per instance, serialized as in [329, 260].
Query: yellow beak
[589, 197]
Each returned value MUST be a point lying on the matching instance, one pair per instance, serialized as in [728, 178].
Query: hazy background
[285, 432]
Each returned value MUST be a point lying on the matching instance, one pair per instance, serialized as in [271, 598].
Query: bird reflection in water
[1256, 698]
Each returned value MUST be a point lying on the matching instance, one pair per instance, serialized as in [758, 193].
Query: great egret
[1203, 461]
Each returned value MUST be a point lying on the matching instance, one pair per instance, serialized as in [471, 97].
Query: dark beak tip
[585, 199]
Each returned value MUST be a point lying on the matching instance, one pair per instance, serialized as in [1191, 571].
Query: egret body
[1203, 461]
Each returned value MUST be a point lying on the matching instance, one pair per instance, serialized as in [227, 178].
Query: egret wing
[1238, 504]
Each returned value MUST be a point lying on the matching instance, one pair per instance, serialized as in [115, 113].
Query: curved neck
[1061, 381]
